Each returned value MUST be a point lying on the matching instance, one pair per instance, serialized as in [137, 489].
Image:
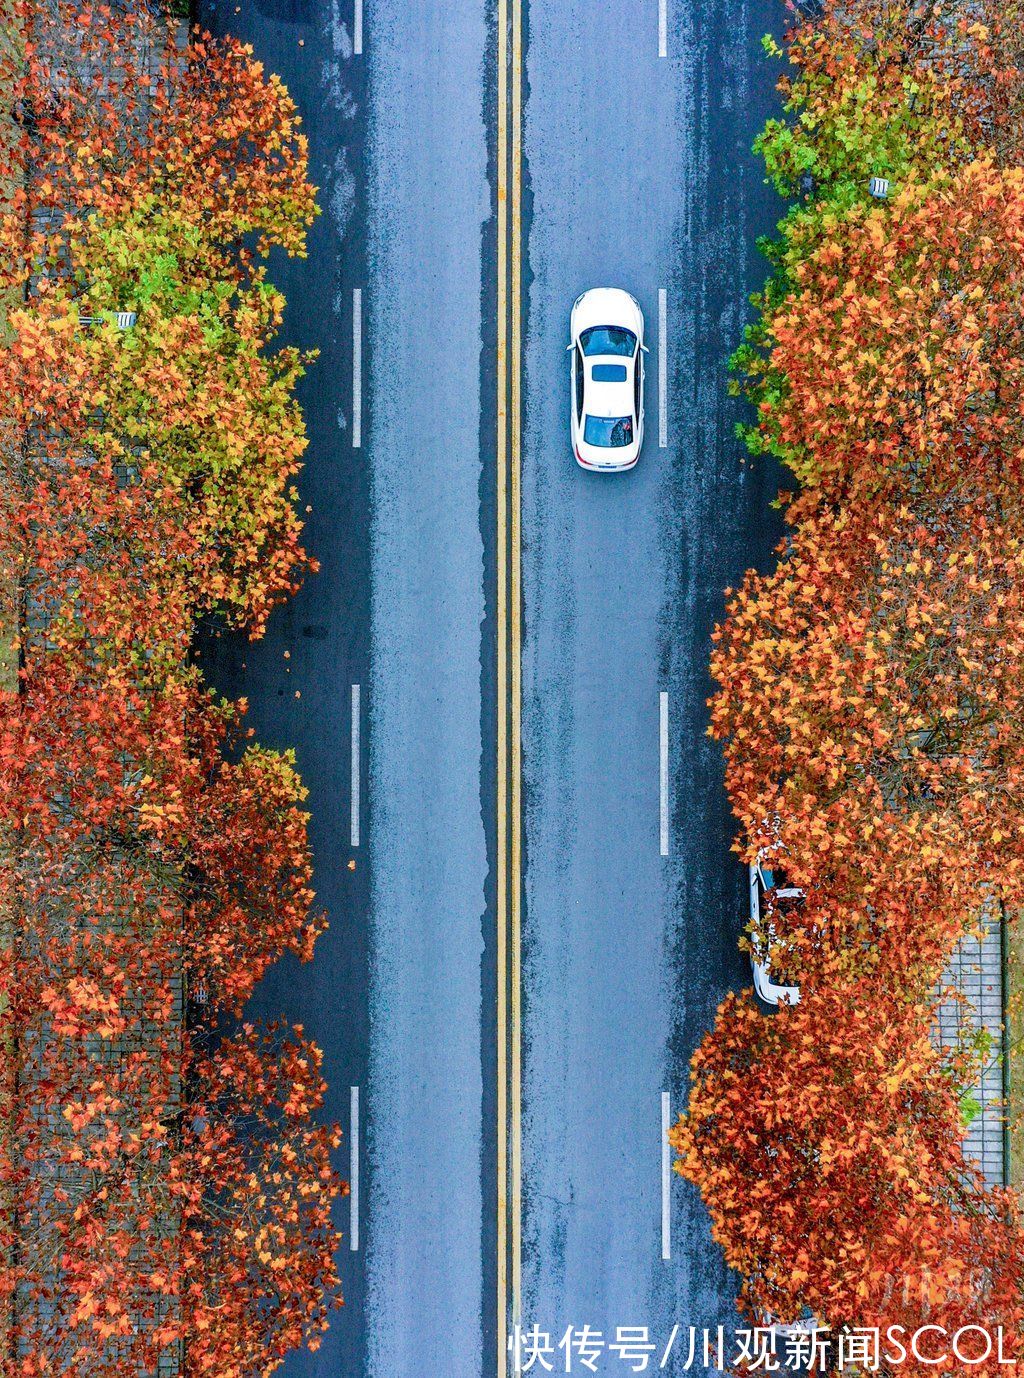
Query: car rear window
[608, 431]
[608, 339]
[608, 373]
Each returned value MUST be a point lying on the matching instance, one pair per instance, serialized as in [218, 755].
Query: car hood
[606, 306]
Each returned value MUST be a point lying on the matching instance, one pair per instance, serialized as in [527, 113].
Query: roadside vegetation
[166, 1187]
[871, 688]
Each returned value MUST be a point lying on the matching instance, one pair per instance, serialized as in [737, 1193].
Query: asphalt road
[638, 173]
[641, 177]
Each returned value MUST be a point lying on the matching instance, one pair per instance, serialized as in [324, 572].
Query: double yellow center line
[509, 672]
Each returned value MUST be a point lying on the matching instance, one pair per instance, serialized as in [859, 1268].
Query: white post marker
[663, 28]
[666, 1176]
[355, 765]
[357, 29]
[357, 367]
[662, 368]
[663, 772]
[353, 1171]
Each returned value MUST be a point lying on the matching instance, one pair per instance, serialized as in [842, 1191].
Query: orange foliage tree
[166, 1188]
[156, 179]
[892, 366]
[826, 1142]
[258, 1234]
[145, 869]
[871, 702]
[870, 687]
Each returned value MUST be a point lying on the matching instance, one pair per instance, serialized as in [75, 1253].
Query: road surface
[503, 728]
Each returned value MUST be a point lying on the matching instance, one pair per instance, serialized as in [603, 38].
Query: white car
[808, 1324]
[607, 379]
[769, 894]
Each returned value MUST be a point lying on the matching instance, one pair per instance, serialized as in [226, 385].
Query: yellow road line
[515, 596]
[509, 672]
[502, 704]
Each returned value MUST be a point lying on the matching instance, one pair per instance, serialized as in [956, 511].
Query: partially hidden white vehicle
[607, 379]
[808, 1324]
[769, 895]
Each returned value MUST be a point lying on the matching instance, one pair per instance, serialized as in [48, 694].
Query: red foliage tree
[871, 705]
[165, 1187]
[870, 687]
[256, 1175]
[140, 866]
[827, 1145]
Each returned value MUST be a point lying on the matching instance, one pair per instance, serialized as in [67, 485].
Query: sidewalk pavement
[976, 972]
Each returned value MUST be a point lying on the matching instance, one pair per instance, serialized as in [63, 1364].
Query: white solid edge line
[662, 368]
[357, 29]
[663, 28]
[663, 772]
[355, 765]
[353, 1171]
[357, 367]
[666, 1177]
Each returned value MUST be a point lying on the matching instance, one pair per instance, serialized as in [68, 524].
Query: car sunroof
[609, 373]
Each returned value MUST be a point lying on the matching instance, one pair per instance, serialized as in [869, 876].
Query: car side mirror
[569, 348]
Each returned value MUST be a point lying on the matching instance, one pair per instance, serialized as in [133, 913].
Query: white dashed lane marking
[353, 1171]
[355, 765]
[663, 771]
[357, 367]
[662, 368]
[666, 1177]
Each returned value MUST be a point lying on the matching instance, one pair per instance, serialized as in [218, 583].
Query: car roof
[770, 880]
[608, 399]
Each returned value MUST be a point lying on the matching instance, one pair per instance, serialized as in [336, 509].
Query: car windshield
[608, 339]
[774, 956]
[787, 901]
[782, 978]
[608, 431]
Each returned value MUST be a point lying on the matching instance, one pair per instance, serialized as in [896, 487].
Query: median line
[357, 29]
[509, 856]
[502, 707]
[663, 28]
[516, 667]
